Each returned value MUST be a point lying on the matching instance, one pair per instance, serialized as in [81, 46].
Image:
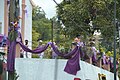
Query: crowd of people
[94, 56]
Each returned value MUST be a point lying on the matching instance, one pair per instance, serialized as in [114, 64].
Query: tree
[35, 38]
[41, 26]
[77, 15]
[38, 13]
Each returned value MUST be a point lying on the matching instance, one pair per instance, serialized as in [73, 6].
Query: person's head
[40, 42]
[76, 40]
[26, 42]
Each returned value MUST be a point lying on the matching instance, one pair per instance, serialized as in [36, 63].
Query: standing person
[21, 53]
[41, 55]
[77, 39]
[25, 55]
[78, 42]
[95, 51]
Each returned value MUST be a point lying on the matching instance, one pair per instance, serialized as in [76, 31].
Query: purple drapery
[11, 56]
[37, 50]
[55, 49]
[12, 51]
[72, 65]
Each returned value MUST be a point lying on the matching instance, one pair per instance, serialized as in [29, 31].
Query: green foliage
[35, 37]
[35, 56]
[109, 53]
[76, 14]
[16, 76]
[101, 12]
[37, 13]
[41, 26]
[48, 53]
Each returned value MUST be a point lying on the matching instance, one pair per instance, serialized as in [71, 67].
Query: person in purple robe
[78, 42]
[94, 51]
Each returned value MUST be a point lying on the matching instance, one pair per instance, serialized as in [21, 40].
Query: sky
[48, 6]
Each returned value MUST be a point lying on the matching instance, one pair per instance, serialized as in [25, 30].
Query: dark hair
[78, 35]
[26, 42]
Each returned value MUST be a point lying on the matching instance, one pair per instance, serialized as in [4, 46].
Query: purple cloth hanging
[55, 49]
[12, 49]
[11, 56]
[71, 67]
[12, 52]
[37, 50]
[73, 64]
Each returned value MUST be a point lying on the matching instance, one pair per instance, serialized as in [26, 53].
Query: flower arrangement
[13, 30]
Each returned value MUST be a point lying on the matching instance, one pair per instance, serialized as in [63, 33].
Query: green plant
[35, 56]
[16, 76]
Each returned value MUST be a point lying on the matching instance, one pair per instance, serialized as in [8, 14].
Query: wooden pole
[5, 18]
[114, 61]
[6, 8]
[52, 30]
[23, 19]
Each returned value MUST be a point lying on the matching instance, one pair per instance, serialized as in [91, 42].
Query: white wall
[28, 21]
[43, 69]
[28, 25]
[20, 3]
[2, 14]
